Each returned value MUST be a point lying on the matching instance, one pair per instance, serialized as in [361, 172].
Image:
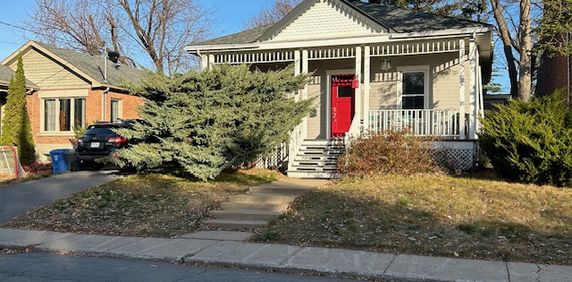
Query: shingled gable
[86, 66]
[379, 17]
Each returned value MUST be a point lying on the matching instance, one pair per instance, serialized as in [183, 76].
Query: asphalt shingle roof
[400, 20]
[405, 20]
[93, 66]
[7, 73]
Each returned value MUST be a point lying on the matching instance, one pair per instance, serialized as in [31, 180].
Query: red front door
[343, 97]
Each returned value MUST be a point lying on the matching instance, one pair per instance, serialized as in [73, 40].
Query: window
[63, 114]
[345, 91]
[413, 90]
[115, 110]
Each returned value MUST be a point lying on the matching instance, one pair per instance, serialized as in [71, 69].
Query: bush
[531, 142]
[392, 152]
[206, 122]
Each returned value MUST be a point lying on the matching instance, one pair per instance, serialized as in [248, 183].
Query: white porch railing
[434, 123]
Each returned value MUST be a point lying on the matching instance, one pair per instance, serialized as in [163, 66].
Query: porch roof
[398, 20]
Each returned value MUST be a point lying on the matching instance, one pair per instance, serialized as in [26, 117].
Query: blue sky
[228, 16]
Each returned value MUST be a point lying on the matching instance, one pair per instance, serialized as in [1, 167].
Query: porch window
[63, 114]
[413, 91]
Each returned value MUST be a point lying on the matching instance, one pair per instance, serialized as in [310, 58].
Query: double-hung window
[115, 111]
[63, 114]
[414, 89]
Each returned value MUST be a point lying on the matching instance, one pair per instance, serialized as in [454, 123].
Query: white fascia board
[380, 38]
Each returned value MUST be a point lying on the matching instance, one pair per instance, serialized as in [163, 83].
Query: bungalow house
[374, 67]
[72, 90]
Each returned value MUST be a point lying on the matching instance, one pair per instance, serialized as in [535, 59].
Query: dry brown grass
[434, 215]
[143, 205]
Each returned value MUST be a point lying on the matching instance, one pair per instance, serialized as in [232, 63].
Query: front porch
[431, 87]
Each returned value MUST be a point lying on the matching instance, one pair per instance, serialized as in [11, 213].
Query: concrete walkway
[286, 258]
[262, 203]
[17, 199]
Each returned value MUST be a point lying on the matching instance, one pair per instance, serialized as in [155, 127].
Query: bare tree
[154, 29]
[517, 39]
[279, 9]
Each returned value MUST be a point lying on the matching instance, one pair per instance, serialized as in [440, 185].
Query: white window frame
[119, 110]
[427, 88]
[72, 114]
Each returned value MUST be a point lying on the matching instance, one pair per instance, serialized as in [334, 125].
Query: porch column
[462, 59]
[204, 62]
[211, 61]
[366, 85]
[473, 89]
[358, 103]
[297, 69]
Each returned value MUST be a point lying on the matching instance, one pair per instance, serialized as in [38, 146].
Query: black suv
[100, 141]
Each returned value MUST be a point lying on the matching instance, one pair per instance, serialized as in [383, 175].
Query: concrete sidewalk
[17, 199]
[284, 257]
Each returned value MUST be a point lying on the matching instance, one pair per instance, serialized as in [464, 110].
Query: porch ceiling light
[385, 64]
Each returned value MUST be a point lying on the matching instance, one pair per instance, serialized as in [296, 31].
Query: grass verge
[433, 215]
[151, 205]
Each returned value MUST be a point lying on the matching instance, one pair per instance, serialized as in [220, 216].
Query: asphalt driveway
[17, 199]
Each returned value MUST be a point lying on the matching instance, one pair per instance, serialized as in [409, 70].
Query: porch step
[313, 175]
[237, 214]
[317, 159]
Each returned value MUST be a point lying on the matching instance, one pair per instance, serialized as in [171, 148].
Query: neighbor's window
[63, 114]
[413, 94]
[115, 111]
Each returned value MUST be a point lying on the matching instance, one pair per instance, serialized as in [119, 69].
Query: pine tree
[16, 128]
[205, 123]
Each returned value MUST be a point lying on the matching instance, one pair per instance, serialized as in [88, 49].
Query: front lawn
[152, 205]
[433, 215]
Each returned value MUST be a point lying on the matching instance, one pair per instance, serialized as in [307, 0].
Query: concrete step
[313, 175]
[237, 214]
[280, 189]
[234, 225]
[270, 207]
[271, 198]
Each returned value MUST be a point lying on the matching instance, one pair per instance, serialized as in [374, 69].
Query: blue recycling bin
[59, 162]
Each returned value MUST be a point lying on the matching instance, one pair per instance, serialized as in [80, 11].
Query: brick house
[374, 67]
[72, 90]
[6, 74]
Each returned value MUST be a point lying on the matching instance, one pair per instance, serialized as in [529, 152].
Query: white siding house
[375, 67]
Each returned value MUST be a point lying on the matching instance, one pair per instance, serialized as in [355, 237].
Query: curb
[283, 258]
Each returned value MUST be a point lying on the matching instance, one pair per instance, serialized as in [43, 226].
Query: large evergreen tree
[207, 122]
[16, 128]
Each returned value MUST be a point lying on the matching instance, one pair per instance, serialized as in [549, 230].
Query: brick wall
[49, 141]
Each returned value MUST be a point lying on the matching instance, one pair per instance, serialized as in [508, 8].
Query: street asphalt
[49, 267]
[17, 199]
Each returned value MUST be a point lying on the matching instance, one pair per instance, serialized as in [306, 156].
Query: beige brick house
[374, 67]
[72, 90]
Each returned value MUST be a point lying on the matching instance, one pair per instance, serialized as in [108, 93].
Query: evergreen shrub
[206, 122]
[530, 142]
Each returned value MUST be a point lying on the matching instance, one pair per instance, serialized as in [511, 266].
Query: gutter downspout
[103, 104]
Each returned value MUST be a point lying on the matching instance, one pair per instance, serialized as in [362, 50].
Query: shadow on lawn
[358, 221]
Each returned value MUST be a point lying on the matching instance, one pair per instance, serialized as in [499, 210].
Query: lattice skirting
[275, 159]
[456, 155]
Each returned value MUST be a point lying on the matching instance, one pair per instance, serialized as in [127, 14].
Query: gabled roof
[397, 20]
[87, 66]
[7, 73]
